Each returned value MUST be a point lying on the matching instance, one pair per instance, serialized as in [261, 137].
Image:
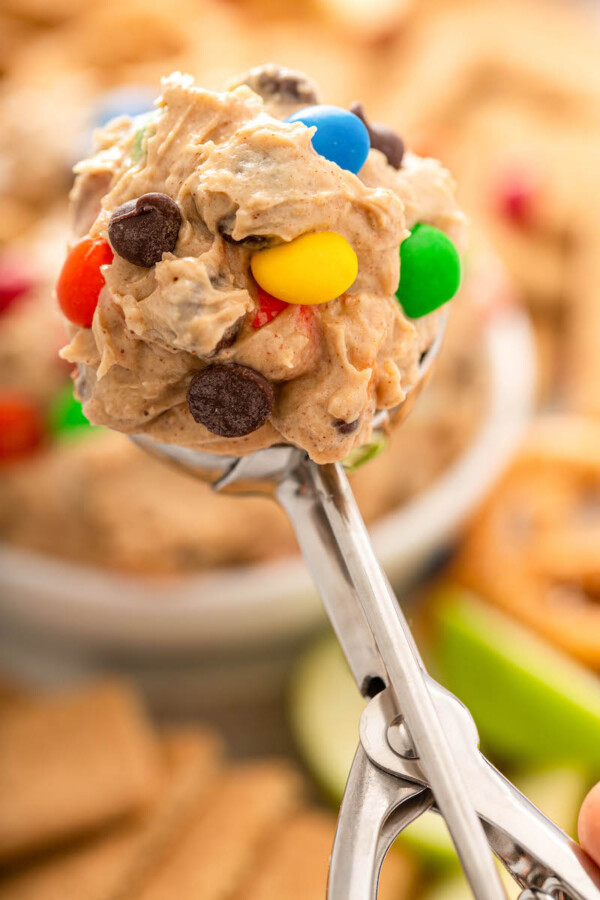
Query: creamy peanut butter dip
[92, 497]
[244, 181]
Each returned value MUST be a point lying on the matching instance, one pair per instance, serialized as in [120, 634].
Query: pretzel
[533, 549]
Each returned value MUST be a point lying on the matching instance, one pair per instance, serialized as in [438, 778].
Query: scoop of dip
[233, 279]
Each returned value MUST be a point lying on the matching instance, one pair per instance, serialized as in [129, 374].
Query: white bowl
[252, 605]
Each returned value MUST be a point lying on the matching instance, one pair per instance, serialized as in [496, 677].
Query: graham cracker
[246, 806]
[89, 872]
[71, 764]
[108, 867]
[295, 864]
[12, 694]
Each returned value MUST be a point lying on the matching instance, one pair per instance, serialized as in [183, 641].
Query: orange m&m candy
[81, 280]
[21, 425]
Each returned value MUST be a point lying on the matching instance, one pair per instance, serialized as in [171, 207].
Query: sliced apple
[361, 455]
[325, 709]
[456, 888]
[558, 791]
[531, 703]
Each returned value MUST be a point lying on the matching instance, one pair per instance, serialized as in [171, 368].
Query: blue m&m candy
[340, 136]
[129, 100]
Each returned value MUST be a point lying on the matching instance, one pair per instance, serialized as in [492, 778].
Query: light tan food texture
[247, 806]
[93, 872]
[491, 89]
[72, 764]
[294, 865]
[235, 169]
[208, 829]
[108, 867]
[101, 500]
[582, 378]
[33, 322]
[12, 693]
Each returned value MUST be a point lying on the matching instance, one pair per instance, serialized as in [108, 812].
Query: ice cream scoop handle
[354, 589]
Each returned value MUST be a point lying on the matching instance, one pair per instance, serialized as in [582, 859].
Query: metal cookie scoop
[418, 745]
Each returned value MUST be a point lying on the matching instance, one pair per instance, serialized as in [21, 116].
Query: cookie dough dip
[254, 267]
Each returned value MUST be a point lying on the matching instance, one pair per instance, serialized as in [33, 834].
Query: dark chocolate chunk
[230, 336]
[423, 356]
[382, 137]
[277, 81]
[141, 230]
[345, 427]
[230, 400]
[252, 242]
[83, 382]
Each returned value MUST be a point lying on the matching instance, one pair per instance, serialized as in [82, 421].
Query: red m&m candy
[517, 197]
[15, 280]
[80, 281]
[21, 425]
[269, 308]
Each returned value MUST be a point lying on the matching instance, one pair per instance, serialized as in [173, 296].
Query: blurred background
[175, 717]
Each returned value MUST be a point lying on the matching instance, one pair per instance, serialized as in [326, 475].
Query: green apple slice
[361, 455]
[456, 888]
[558, 791]
[325, 709]
[531, 703]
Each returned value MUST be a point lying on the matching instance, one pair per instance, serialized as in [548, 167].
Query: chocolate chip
[382, 137]
[141, 230]
[423, 356]
[230, 336]
[230, 400]
[286, 84]
[82, 382]
[345, 427]
[252, 242]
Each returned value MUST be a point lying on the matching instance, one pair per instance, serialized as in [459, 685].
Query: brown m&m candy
[382, 138]
[141, 230]
[345, 427]
[273, 81]
[230, 400]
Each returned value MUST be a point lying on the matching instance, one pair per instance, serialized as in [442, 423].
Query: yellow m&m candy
[313, 268]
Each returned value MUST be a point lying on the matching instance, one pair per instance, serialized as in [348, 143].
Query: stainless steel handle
[375, 809]
[537, 853]
[337, 549]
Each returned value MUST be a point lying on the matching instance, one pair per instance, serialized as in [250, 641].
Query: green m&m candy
[66, 418]
[429, 271]
[147, 128]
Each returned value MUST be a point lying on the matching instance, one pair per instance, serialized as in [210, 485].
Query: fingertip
[588, 825]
